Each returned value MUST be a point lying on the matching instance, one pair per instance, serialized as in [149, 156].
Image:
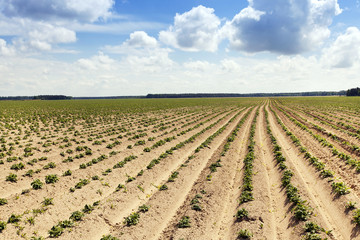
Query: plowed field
[258, 168]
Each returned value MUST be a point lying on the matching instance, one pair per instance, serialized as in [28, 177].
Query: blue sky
[135, 47]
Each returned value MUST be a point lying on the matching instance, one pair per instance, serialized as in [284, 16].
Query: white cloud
[52, 34]
[6, 50]
[196, 30]
[90, 10]
[45, 35]
[201, 66]
[286, 27]
[141, 39]
[101, 75]
[30, 35]
[38, 36]
[249, 13]
[155, 60]
[229, 65]
[97, 62]
[122, 27]
[143, 53]
[40, 25]
[345, 51]
[138, 42]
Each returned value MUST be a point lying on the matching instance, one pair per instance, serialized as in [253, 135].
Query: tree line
[38, 97]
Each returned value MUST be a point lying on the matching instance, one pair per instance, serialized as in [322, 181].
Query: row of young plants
[30, 173]
[204, 115]
[342, 141]
[32, 162]
[247, 186]
[213, 167]
[67, 171]
[214, 135]
[329, 121]
[21, 165]
[37, 184]
[171, 122]
[317, 127]
[195, 203]
[350, 129]
[53, 178]
[164, 155]
[201, 123]
[162, 126]
[341, 189]
[113, 129]
[58, 229]
[169, 139]
[338, 188]
[134, 217]
[185, 221]
[341, 155]
[152, 121]
[300, 209]
[342, 116]
[121, 164]
[17, 219]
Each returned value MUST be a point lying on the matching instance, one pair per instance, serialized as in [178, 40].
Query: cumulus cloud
[286, 27]
[196, 30]
[137, 40]
[37, 36]
[141, 39]
[90, 10]
[45, 35]
[345, 51]
[143, 53]
[53, 34]
[39, 25]
[97, 62]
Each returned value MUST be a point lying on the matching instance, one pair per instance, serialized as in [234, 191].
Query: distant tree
[353, 92]
[52, 97]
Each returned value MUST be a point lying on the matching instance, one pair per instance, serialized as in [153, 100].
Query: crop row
[82, 181]
[300, 209]
[340, 126]
[341, 155]
[134, 217]
[338, 187]
[351, 147]
[247, 187]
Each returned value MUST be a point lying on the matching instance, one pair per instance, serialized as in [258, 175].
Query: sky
[136, 47]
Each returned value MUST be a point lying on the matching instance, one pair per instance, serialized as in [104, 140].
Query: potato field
[226, 168]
